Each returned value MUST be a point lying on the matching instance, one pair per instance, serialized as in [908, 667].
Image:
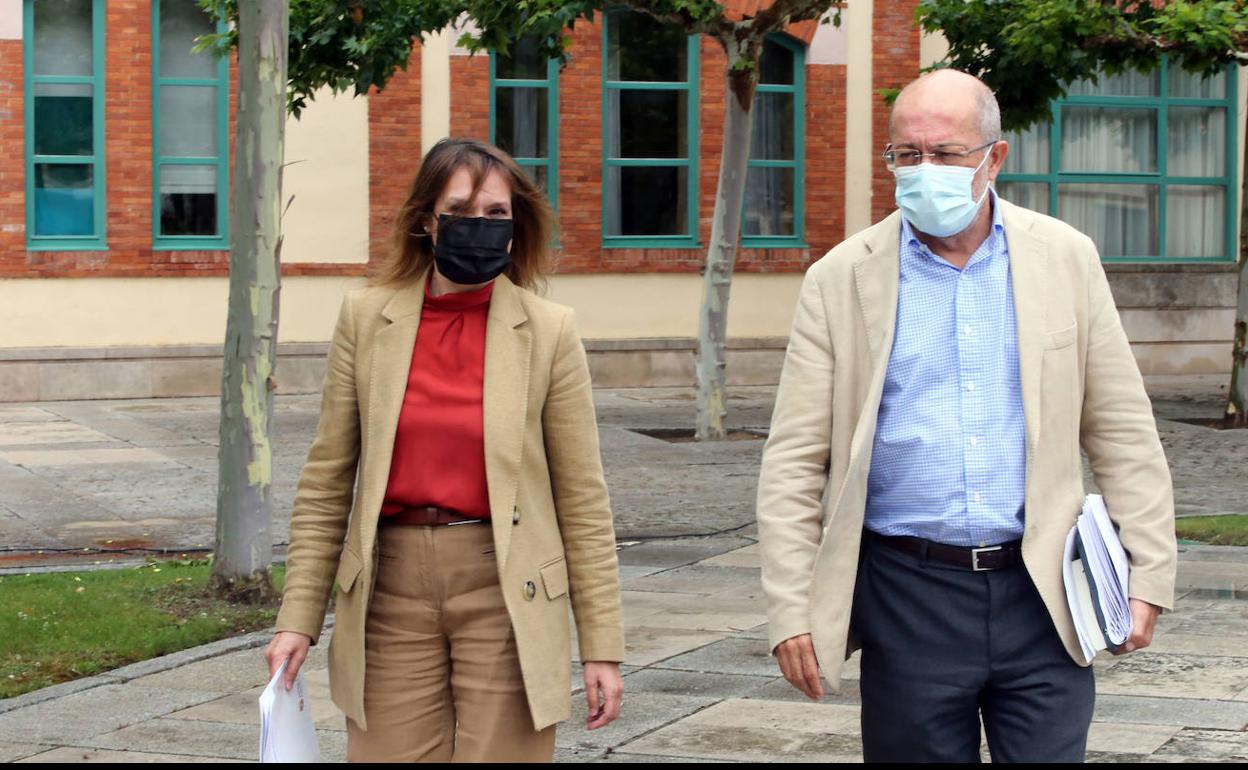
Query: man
[923, 468]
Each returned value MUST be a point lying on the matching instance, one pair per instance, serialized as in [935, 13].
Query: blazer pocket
[555, 578]
[1061, 339]
[349, 566]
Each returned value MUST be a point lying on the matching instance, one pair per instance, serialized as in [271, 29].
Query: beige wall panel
[932, 48]
[666, 305]
[830, 44]
[1193, 325]
[859, 154]
[435, 88]
[10, 19]
[325, 181]
[1178, 358]
[99, 312]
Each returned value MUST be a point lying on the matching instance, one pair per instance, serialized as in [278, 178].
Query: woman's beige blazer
[553, 533]
[1081, 388]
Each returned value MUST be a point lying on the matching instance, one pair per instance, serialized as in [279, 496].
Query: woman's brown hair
[533, 221]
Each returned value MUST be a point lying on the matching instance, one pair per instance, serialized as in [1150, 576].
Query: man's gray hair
[989, 116]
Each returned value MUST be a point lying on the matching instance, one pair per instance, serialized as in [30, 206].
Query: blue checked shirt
[949, 461]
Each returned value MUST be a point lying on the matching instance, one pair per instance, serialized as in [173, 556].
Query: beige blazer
[552, 524]
[1081, 387]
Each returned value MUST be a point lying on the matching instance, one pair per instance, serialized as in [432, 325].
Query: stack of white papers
[1095, 571]
[286, 730]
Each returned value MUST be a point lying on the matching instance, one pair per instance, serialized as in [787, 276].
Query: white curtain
[1109, 140]
[1120, 218]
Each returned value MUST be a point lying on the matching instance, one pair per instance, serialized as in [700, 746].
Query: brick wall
[393, 151]
[12, 163]
[580, 159]
[894, 62]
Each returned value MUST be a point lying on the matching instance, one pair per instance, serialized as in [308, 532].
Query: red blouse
[439, 447]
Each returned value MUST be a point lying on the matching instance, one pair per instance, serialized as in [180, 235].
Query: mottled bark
[244, 546]
[1237, 403]
[721, 257]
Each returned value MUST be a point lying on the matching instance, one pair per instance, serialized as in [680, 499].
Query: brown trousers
[442, 679]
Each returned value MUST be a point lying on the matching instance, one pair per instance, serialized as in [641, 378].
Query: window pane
[1195, 221]
[647, 124]
[1029, 151]
[769, 202]
[522, 62]
[641, 48]
[773, 127]
[63, 37]
[1120, 218]
[520, 121]
[181, 21]
[1109, 139]
[1029, 195]
[1196, 143]
[776, 64]
[1188, 85]
[64, 199]
[1130, 83]
[646, 201]
[188, 121]
[188, 200]
[538, 175]
[63, 119]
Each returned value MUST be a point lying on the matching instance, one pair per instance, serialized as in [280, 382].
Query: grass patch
[1214, 530]
[65, 625]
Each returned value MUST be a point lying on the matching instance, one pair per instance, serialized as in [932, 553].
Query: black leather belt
[428, 516]
[975, 559]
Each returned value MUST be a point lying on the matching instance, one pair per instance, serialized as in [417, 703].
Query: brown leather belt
[428, 516]
[975, 559]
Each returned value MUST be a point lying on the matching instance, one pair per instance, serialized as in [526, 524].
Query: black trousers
[944, 647]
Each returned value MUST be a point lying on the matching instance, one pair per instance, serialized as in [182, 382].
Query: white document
[1095, 572]
[286, 730]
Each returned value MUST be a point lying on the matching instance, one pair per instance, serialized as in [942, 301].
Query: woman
[479, 509]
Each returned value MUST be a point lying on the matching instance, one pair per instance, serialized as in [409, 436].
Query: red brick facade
[894, 62]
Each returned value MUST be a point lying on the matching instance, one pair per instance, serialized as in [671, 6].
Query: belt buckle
[975, 552]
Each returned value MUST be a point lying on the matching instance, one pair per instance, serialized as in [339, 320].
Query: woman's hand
[287, 644]
[604, 689]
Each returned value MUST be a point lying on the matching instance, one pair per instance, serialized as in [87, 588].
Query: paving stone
[76, 755]
[760, 731]
[619, 757]
[1198, 644]
[749, 556]
[731, 656]
[710, 685]
[46, 431]
[1206, 616]
[1217, 745]
[1106, 757]
[675, 553]
[577, 756]
[10, 752]
[696, 579]
[640, 713]
[1187, 712]
[206, 739]
[91, 712]
[1125, 738]
[781, 690]
[645, 646]
[1172, 675]
[33, 458]
[232, 672]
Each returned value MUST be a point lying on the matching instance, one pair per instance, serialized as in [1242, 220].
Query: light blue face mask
[937, 200]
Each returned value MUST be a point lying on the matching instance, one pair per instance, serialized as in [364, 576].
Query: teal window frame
[551, 84]
[222, 160]
[798, 164]
[690, 161]
[98, 241]
[1161, 179]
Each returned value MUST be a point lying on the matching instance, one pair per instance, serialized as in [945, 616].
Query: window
[1141, 162]
[190, 93]
[773, 184]
[524, 112]
[64, 123]
[650, 120]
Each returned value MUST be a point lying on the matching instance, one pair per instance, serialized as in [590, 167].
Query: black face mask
[472, 249]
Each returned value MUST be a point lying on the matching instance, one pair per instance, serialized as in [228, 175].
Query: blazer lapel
[1028, 278]
[508, 341]
[388, 371]
[876, 279]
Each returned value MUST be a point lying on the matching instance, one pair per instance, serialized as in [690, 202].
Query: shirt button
[974, 441]
[970, 386]
[978, 497]
[967, 330]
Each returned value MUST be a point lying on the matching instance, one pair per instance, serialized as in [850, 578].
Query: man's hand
[604, 690]
[1143, 619]
[798, 664]
[287, 644]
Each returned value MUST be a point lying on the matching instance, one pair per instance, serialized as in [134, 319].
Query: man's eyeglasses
[949, 155]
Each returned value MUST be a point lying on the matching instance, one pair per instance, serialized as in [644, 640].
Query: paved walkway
[699, 681]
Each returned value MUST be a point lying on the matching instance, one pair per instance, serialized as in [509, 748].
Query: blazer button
[530, 590]
[515, 515]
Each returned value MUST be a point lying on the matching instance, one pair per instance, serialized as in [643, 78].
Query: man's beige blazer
[1081, 387]
[553, 532]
